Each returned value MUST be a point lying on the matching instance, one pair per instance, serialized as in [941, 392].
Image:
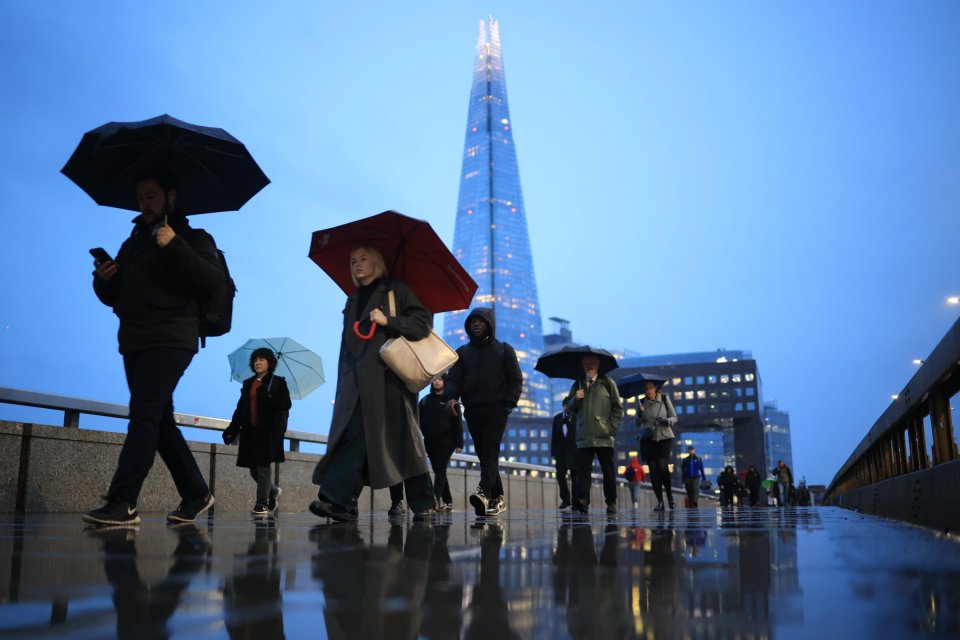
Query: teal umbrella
[300, 367]
[769, 482]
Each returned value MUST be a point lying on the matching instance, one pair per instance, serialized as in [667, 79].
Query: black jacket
[488, 373]
[564, 449]
[263, 444]
[155, 291]
[440, 428]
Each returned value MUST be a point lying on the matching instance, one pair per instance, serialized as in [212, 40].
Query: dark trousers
[439, 455]
[152, 376]
[659, 462]
[486, 426]
[562, 467]
[582, 479]
[265, 486]
[346, 470]
[693, 491]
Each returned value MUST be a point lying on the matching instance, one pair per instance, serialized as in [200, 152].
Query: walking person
[634, 475]
[487, 379]
[375, 434]
[693, 475]
[442, 436]
[595, 403]
[563, 448]
[784, 477]
[160, 272]
[260, 420]
[658, 416]
[753, 482]
[728, 483]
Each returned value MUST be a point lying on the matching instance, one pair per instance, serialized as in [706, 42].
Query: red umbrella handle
[369, 335]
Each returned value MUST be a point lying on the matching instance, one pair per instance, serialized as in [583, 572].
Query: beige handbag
[417, 362]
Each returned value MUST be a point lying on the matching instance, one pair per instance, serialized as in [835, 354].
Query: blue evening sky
[778, 177]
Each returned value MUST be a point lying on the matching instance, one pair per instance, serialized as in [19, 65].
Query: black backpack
[216, 310]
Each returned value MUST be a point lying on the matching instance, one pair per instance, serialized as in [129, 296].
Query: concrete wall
[926, 498]
[47, 469]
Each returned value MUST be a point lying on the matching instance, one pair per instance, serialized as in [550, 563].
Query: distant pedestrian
[260, 420]
[693, 475]
[563, 448]
[442, 435]
[375, 433]
[595, 402]
[634, 475]
[153, 286]
[728, 484]
[753, 482]
[488, 380]
[658, 416]
[784, 477]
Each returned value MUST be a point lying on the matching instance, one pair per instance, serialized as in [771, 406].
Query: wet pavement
[708, 573]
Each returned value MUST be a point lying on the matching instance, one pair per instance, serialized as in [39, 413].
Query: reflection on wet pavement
[749, 573]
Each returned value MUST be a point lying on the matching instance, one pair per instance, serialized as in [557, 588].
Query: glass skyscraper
[490, 239]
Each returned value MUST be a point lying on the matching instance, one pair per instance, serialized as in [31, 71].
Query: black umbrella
[568, 362]
[635, 384]
[214, 170]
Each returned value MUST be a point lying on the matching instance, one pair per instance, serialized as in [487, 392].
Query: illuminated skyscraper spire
[490, 238]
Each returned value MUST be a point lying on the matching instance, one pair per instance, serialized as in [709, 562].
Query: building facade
[777, 435]
[490, 237]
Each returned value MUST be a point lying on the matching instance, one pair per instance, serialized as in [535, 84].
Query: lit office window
[748, 377]
[735, 377]
[688, 395]
[711, 379]
[724, 379]
[677, 381]
[701, 394]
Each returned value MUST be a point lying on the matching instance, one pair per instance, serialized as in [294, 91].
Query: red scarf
[257, 383]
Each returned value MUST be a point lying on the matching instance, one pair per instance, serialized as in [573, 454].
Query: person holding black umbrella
[595, 403]
[658, 416]
[375, 435]
[160, 272]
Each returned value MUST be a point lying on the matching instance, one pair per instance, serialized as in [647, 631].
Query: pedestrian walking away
[693, 475]
[259, 421]
[375, 435]
[442, 435]
[563, 448]
[658, 417]
[153, 286]
[595, 403]
[487, 379]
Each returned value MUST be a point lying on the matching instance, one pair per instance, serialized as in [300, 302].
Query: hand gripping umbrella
[568, 362]
[413, 252]
[215, 171]
[300, 367]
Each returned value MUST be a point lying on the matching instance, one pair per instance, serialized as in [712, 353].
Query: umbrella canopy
[214, 170]
[414, 254]
[769, 482]
[568, 362]
[635, 383]
[300, 367]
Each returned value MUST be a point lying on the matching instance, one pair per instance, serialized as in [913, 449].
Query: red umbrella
[414, 253]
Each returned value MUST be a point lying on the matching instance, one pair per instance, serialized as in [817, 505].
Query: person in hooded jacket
[375, 432]
[753, 482]
[442, 435]
[487, 379]
[260, 420]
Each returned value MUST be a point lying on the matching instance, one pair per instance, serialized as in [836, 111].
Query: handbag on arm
[416, 362]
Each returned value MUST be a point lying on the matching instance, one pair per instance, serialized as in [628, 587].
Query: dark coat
[442, 431]
[488, 373]
[391, 428]
[263, 444]
[564, 449]
[155, 291]
[753, 481]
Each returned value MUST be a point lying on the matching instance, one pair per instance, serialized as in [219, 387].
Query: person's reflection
[372, 591]
[663, 590]
[442, 614]
[251, 597]
[143, 610]
[489, 617]
[597, 606]
[694, 535]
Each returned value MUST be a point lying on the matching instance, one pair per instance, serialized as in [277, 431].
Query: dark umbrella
[214, 170]
[634, 384]
[568, 362]
[414, 254]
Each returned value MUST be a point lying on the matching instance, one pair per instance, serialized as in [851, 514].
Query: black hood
[487, 315]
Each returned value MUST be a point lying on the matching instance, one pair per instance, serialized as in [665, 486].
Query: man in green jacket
[595, 403]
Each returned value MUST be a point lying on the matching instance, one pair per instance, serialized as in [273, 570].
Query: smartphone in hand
[100, 255]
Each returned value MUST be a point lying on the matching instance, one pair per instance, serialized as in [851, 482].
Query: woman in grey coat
[375, 435]
[658, 415]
